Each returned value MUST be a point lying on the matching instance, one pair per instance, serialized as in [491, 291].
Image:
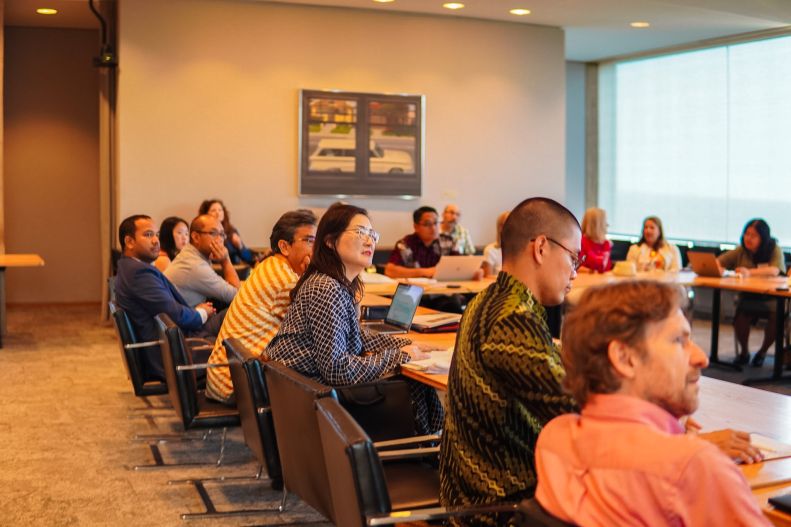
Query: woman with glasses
[596, 248]
[320, 336]
[233, 242]
[758, 255]
[174, 234]
[653, 252]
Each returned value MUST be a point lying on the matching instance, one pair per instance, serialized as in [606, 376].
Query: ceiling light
[46, 11]
[519, 12]
[640, 25]
[453, 5]
[384, 1]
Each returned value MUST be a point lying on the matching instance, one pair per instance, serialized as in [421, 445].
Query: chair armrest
[147, 344]
[193, 367]
[406, 441]
[408, 453]
[438, 513]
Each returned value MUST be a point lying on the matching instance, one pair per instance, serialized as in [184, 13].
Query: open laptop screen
[404, 304]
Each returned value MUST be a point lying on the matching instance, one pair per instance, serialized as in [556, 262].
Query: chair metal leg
[159, 462]
[222, 446]
[282, 506]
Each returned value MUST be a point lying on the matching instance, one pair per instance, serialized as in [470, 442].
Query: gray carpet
[67, 417]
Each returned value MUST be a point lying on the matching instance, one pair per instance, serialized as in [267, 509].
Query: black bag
[382, 408]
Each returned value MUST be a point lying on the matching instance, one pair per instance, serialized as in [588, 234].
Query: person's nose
[697, 357]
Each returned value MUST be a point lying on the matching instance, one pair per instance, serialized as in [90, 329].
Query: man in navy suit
[144, 292]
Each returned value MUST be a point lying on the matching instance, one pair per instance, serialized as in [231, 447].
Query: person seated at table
[505, 378]
[191, 271]
[653, 252]
[462, 241]
[416, 255]
[320, 336]
[261, 303]
[493, 253]
[625, 459]
[144, 292]
[237, 250]
[757, 255]
[596, 248]
[174, 233]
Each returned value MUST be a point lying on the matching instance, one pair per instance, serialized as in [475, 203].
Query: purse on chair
[382, 408]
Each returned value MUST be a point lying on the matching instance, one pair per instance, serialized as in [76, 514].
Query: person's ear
[284, 247]
[194, 237]
[622, 359]
[539, 245]
[129, 241]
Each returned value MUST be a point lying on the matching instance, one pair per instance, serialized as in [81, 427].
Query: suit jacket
[144, 292]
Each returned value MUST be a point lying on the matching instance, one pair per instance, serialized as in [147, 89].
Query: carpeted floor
[68, 415]
[67, 418]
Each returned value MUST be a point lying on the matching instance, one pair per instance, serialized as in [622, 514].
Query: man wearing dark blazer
[144, 292]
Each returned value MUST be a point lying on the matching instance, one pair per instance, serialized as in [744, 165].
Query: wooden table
[13, 260]
[435, 288]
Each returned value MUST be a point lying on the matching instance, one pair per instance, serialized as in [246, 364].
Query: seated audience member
[505, 378]
[626, 459]
[320, 336]
[237, 250]
[144, 292]
[653, 251]
[191, 272]
[174, 234]
[417, 254]
[493, 253]
[462, 241]
[758, 255]
[596, 248]
[261, 303]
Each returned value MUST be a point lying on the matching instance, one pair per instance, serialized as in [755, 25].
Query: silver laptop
[705, 264]
[402, 311]
[457, 268]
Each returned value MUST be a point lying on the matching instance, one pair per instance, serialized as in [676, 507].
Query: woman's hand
[236, 240]
[743, 271]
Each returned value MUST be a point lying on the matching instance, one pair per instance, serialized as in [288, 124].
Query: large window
[700, 139]
[360, 144]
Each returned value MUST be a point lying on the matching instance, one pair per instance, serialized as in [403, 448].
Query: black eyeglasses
[213, 234]
[576, 261]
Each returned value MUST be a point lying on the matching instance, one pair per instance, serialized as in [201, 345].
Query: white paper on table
[770, 448]
[439, 362]
[375, 278]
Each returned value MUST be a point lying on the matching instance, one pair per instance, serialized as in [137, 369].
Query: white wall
[208, 106]
[575, 137]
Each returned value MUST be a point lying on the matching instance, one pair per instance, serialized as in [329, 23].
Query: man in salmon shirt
[627, 460]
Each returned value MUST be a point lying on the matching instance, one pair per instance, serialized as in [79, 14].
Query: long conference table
[13, 260]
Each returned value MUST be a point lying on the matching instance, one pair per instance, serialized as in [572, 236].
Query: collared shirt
[253, 317]
[192, 274]
[462, 241]
[410, 251]
[626, 461]
[504, 385]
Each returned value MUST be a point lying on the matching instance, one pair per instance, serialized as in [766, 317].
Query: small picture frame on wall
[360, 144]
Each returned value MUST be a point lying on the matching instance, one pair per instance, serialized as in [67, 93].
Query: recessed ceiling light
[384, 1]
[46, 11]
[453, 5]
[519, 12]
[640, 25]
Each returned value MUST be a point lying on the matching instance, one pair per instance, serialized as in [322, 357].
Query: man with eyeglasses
[191, 271]
[450, 226]
[258, 309]
[416, 255]
[504, 383]
[143, 292]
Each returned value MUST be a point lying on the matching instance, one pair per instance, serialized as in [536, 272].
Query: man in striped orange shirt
[263, 299]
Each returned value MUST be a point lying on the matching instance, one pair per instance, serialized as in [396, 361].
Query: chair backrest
[532, 514]
[359, 488]
[293, 397]
[182, 385]
[255, 413]
[131, 356]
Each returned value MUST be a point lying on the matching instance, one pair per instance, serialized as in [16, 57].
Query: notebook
[402, 310]
[457, 268]
[435, 320]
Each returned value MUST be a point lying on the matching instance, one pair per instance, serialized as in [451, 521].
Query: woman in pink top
[596, 247]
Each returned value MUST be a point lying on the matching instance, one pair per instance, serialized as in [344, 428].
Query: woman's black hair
[768, 244]
[325, 258]
[166, 241]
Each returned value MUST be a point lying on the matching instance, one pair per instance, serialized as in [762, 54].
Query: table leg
[2, 305]
[714, 359]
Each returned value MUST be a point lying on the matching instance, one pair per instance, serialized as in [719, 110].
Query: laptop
[705, 264]
[402, 310]
[457, 268]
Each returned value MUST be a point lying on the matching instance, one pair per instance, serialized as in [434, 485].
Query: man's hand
[219, 252]
[478, 275]
[428, 272]
[735, 444]
[207, 307]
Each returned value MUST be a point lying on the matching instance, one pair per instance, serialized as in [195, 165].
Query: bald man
[191, 271]
[462, 241]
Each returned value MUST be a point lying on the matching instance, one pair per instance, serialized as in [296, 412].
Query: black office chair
[532, 514]
[375, 487]
[130, 350]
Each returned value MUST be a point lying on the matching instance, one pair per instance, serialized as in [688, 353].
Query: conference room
[153, 106]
